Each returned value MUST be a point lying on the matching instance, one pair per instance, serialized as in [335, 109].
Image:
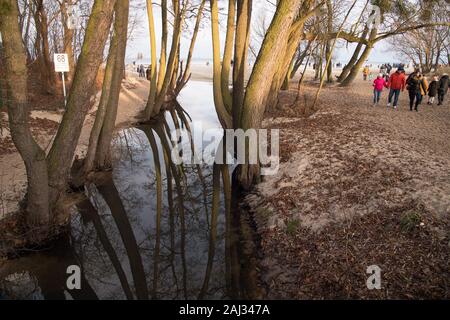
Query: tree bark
[163, 54]
[68, 40]
[154, 65]
[89, 162]
[38, 214]
[258, 87]
[328, 51]
[63, 149]
[227, 56]
[187, 72]
[357, 67]
[242, 41]
[264, 69]
[171, 63]
[103, 158]
[46, 66]
[354, 58]
[224, 117]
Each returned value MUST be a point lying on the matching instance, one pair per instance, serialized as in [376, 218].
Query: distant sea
[204, 61]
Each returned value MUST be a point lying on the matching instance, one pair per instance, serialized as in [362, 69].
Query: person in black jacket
[443, 88]
[433, 89]
[417, 88]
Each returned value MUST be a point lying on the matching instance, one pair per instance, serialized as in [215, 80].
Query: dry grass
[361, 185]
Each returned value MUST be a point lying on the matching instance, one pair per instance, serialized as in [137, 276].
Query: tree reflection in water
[148, 229]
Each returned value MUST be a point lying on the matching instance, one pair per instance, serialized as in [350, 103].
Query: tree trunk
[163, 54]
[46, 66]
[68, 40]
[63, 149]
[224, 117]
[244, 12]
[258, 87]
[171, 63]
[287, 58]
[103, 159]
[357, 67]
[187, 72]
[154, 65]
[299, 60]
[38, 214]
[94, 137]
[354, 58]
[259, 84]
[227, 55]
[328, 51]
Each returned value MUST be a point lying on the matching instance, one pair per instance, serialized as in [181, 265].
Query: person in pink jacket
[378, 84]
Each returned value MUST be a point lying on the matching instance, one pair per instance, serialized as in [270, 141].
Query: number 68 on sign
[62, 65]
[61, 62]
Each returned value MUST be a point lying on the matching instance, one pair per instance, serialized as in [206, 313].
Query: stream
[149, 229]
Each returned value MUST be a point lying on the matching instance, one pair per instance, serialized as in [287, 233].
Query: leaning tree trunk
[300, 58]
[287, 56]
[89, 162]
[163, 54]
[153, 71]
[63, 149]
[354, 58]
[103, 159]
[282, 75]
[328, 51]
[171, 63]
[259, 84]
[184, 78]
[357, 67]
[242, 40]
[38, 214]
[45, 64]
[227, 55]
[222, 113]
[68, 40]
[258, 87]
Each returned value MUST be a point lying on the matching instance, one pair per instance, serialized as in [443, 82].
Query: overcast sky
[203, 49]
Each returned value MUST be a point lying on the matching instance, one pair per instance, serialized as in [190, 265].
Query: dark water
[126, 243]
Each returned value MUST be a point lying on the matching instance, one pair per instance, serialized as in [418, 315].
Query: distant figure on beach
[389, 68]
[417, 88]
[433, 89]
[378, 84]
[141, 71]
[383, 70]
[148, 71]
[396, 83]
[443, 88]
[365, 72]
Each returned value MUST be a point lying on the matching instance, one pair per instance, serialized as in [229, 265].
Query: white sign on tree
[61, 61]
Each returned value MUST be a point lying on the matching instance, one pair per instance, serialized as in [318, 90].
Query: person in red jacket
[378, 84]
[396, 83]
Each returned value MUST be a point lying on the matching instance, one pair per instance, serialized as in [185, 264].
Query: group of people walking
[416, 84]
[385, 70]
[144, 72]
